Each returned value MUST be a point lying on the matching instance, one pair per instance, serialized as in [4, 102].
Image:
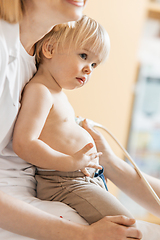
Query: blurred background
[124, 92]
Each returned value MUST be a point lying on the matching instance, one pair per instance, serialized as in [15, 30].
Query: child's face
[72, 68]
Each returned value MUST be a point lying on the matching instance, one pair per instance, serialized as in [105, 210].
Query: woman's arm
[24, 219]
[124, 176]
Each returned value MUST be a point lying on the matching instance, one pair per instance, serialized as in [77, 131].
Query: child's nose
[87, 69]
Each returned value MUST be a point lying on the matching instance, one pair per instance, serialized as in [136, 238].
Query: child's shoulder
[37, 89]
[36, 84]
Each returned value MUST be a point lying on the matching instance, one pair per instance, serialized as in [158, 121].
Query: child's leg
[85, 195]
[93, 202]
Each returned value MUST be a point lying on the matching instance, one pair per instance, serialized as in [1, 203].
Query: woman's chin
[76, 16]
[72, 12]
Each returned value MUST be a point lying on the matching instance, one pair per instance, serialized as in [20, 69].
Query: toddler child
[46, 134]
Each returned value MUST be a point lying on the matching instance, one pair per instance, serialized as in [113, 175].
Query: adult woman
[17, 66]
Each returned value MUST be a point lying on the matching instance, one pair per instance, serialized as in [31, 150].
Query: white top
[16, 68]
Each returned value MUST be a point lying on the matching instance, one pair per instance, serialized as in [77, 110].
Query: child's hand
[91, 165]
[83, 160]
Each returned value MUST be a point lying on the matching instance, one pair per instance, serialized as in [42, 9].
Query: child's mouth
[81, 80]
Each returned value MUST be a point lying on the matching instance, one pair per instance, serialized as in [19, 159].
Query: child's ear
[47, 50]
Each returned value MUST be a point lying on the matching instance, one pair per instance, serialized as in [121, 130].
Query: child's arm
[36, 105]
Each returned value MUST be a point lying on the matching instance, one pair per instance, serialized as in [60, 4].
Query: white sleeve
[3, 62]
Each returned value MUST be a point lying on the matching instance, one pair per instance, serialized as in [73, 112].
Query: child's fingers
[95, 155]
[85, 149]
[94, 165]
[85, 172]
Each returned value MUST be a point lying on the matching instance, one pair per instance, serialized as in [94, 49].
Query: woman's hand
[101, 143]
[115, 228]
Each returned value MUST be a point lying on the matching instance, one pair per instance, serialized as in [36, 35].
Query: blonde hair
[11, 10]
[84, 32]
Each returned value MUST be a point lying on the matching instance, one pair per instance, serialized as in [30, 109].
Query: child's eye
[83, 56]
[94, 65]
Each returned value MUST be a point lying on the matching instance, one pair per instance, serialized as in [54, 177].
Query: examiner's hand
[115, 228]
[101, 143]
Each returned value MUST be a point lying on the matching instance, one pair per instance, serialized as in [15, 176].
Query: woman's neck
[30, 34]
[35, 24]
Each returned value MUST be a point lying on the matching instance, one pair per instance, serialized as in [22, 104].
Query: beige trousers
[88, 196]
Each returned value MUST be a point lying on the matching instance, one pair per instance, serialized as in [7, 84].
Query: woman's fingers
[115, 228]
[130, 232]
[135, 233]
[121, 220]
[95, 134]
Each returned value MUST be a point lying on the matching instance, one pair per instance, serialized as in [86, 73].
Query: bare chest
[61, 132]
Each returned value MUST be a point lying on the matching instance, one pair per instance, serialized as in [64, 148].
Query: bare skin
[46, 133]
[131, 183]
[40, 16]
[20, 217]
[40, 225]
[50, 131]
[126, 178]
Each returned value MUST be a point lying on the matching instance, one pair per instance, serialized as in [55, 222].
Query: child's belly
[68, 138]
